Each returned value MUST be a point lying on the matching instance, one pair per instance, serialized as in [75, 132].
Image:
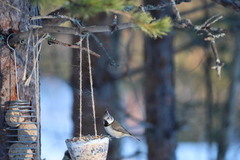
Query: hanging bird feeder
[23, 130]
[87, 147]
[22, 120]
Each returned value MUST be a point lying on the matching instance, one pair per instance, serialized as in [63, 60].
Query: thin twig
[91, 87]
[211, 20]
[218, 64]
[214, 49]
[54, 17]
[54, 41]
[178, 17]
[209, 34]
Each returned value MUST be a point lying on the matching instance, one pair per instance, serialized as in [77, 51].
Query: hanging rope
[15, 65]
[27, 52]
[38, 47]
[91, 86]
[16, 73]
[36, 52]
[80, 87]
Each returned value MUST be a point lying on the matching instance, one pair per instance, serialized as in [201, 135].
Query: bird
[114, 128]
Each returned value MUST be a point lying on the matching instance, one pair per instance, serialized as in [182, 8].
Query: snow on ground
[56, 103]
[201, 151]
[184, 151]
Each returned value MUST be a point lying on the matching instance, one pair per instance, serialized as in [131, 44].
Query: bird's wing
[117, 126]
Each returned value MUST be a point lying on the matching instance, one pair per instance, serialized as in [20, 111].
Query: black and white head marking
[107, 119]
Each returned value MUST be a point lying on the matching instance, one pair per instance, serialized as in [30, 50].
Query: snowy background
[56, 123]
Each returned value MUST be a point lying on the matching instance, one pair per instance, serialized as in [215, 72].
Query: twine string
[36, 52]
[91, 86]
[36, 48]
[27, 52]
[80, 87]
[15, 65]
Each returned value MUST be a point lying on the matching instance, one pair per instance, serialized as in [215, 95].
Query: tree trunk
[209, 102]
[209, 130]
[14, 18]
[229, 114]
[159, 95]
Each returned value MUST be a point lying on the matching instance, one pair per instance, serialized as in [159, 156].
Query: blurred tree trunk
[106, 96]
[13, 21]
[160, 94]
[209, 99]
[208, 88]
[229, 114]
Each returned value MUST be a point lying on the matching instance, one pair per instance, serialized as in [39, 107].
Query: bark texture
[228, 131]
[159, 95]
[13, 19]
[209, 98]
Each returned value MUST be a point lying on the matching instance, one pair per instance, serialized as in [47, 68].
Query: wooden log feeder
[90, 147]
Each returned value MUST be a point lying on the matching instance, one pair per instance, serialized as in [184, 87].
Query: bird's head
[107, 118]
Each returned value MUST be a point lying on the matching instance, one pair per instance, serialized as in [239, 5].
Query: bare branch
[58, 19]
[22, 37]
[218, 64]
[209, 33]
[178, 17]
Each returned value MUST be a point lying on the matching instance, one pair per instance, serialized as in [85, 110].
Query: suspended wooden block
[88, 147]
